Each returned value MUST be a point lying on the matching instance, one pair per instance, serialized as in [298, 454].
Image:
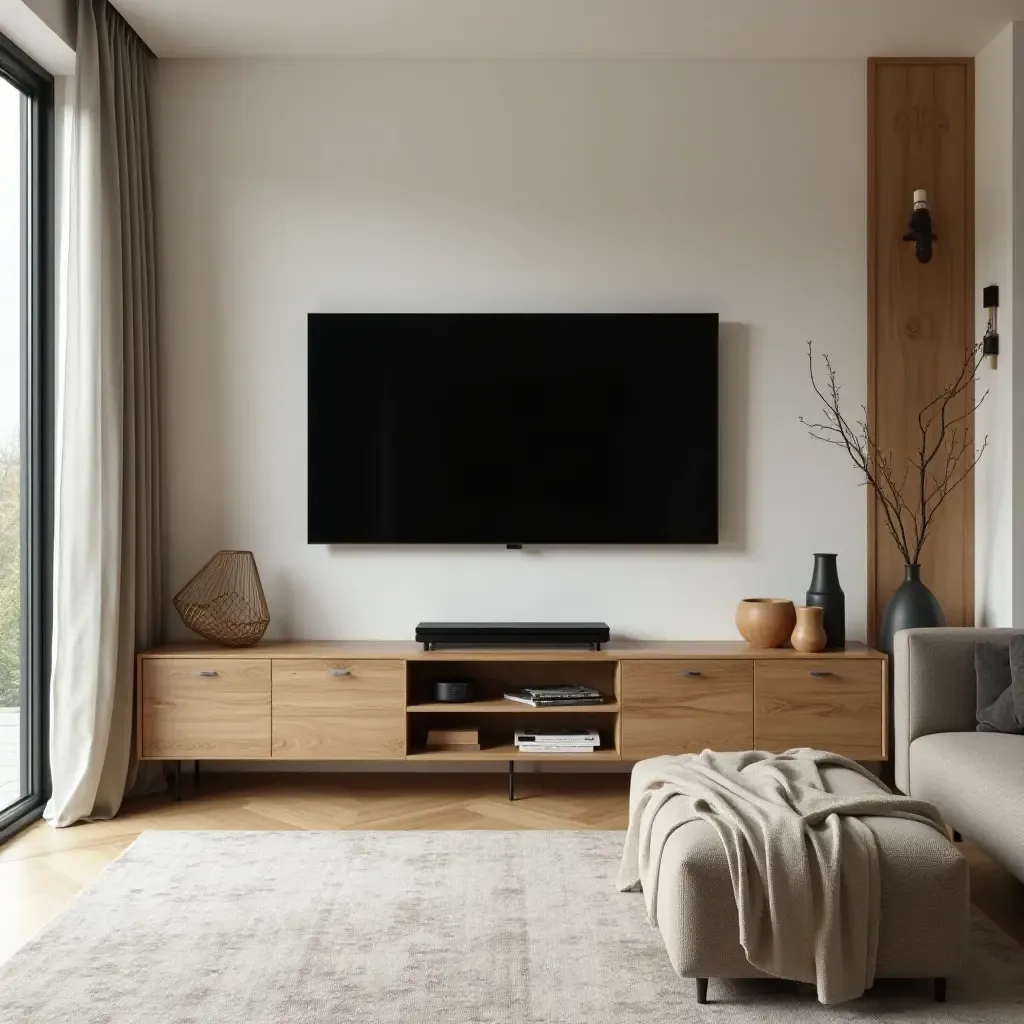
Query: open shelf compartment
[492, 679]
[504, 707]
[497, 735]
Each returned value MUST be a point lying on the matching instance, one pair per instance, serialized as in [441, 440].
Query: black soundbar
[512, 634]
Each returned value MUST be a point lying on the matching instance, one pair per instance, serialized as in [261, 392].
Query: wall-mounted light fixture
[990, 343]
[920, 232]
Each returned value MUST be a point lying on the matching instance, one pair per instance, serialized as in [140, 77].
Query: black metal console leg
[702, 990]
[177, 780]
[940, 990]
[957, 838]
[511, 780]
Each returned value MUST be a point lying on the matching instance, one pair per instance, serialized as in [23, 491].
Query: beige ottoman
[925, 920]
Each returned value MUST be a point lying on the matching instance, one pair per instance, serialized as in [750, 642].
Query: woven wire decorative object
[224, 601]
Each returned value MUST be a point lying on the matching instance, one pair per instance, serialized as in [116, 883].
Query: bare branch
[944, 456]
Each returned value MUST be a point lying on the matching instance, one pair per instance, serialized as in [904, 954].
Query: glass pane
[12, 785]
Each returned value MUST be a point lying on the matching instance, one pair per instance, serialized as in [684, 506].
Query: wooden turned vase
[765, 621]
[809, 636]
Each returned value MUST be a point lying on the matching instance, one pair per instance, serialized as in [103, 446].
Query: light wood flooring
[42, 869]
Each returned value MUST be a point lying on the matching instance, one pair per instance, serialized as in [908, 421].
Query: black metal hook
[920, 232]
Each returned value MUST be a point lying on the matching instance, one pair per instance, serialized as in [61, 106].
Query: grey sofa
[976, 779]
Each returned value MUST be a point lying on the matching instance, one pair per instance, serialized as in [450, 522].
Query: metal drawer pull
[207, 672]
[690, 674]
[336, 672]
[822, 675]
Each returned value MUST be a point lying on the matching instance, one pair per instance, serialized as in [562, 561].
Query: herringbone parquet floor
[43, 869]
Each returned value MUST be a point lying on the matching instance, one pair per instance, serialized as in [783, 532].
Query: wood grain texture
[920, 316]
[683, 707]
[510, 752]
[318, 712]
[361, 708]
[839, 709]
[405, 651]
[186, 714]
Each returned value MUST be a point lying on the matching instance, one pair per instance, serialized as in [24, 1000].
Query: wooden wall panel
[920, 319]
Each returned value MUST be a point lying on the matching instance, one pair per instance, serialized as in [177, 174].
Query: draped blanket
[804, 866]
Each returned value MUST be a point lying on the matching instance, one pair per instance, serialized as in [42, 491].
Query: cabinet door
[205, 708]
[684, 707]
[339, 709]
[827, 703]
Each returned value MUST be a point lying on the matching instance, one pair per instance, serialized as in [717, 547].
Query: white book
[553, 736]
[561, 748]
[586, 745]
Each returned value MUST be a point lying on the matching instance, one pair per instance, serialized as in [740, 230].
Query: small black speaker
[453, 691]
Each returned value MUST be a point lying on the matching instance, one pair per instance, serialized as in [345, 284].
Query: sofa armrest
[934, 685]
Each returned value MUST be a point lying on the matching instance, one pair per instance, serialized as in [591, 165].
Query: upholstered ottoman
[925, 904]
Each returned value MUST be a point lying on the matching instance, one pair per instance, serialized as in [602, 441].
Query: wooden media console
[355, 701]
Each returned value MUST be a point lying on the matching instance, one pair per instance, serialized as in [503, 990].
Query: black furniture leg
[940, 990]
[177, 780]
[196, 777]
[957, 838]
[511, 780]
[702, 990]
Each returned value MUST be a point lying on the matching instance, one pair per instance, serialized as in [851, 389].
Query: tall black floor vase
[912, 606]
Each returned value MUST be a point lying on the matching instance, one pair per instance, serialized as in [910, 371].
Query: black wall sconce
[920, 232]
[990, 343]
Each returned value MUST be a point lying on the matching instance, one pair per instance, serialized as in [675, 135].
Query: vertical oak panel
[921, 135]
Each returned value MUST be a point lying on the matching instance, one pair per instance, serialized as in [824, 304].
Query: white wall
[287, 187]
[999, 251]
[44, 29]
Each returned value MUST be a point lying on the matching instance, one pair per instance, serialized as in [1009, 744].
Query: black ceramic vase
[826, 593]
[912, 606]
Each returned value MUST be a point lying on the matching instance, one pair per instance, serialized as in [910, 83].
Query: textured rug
[409, 928]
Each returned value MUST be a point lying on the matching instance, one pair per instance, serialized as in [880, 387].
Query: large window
[26, 345]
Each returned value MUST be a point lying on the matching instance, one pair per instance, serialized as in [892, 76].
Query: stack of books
[556, 696]
[557, 741]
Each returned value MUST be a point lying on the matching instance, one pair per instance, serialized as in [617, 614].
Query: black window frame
[37, 401]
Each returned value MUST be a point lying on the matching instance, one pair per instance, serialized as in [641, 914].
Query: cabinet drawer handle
[338, 672]
[206, 673]
[690, 674]
[822, 675]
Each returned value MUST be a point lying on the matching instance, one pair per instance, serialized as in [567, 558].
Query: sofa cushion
[976, 779]
[1000, 685]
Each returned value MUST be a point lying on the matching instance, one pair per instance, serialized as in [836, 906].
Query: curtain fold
[107, 586]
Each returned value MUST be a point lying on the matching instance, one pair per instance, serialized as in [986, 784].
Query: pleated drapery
[107, 586]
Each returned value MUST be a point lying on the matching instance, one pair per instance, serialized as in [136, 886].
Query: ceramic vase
[809, 636]
[765, 621]
[826, 593]
[912, 606]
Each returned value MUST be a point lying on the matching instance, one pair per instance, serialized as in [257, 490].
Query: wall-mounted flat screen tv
[513, 428]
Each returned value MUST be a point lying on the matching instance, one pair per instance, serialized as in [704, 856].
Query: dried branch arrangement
[911, 494]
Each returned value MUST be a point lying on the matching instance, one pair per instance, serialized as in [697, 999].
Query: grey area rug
[409, 928]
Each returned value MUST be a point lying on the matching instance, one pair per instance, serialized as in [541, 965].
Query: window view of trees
[26, 316]
[10, 590]
[10, 404]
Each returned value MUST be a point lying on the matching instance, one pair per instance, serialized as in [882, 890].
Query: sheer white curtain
[107, 532]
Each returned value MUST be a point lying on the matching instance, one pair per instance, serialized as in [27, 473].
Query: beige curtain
[107, 518]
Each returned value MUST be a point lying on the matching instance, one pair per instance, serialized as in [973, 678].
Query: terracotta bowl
[765, 621]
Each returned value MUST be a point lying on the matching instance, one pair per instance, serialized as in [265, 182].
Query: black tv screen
[513, 428]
